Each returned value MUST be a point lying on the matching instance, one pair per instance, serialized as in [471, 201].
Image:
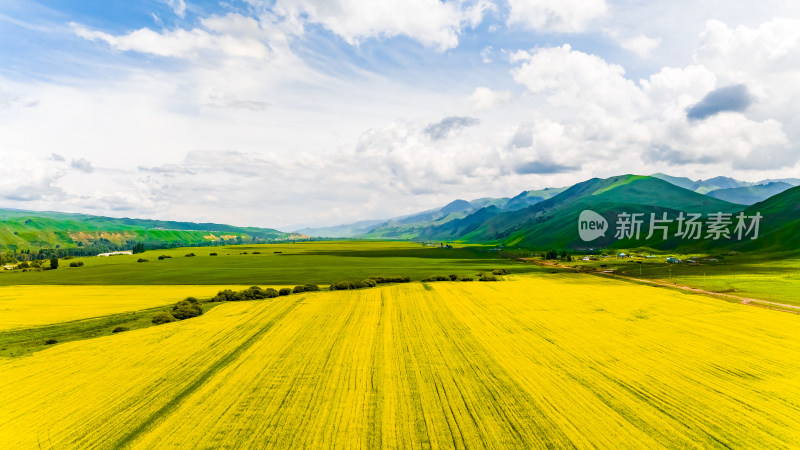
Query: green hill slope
[32, 231]
[780, 226]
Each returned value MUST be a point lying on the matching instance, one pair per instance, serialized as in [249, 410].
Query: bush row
[367, 283]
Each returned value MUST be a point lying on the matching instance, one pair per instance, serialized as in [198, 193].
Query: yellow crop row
[547, 361]
[30, 306]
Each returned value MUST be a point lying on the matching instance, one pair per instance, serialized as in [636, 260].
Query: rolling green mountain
[30, 230]
[748, 195]
[780, 227]
[553, 223]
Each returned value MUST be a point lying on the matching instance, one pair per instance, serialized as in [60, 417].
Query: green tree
[54, 263]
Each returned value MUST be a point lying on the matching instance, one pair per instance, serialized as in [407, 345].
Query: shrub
[51, 341]
[189, 255]
[162, 317]
[54, 264]
[119, 329]
[488, 278]
[342, 285]
[76, 264]
[453, 277]
[164, 257]
[285, 291]
[212, 254]
[396, 279]
[438, 278]
[142, 260]
[501, 272]
[186, 309]
[256, 253]
[253, 293]
[228, 296]
[23, 265]
[466, 279]
[256, 293]
[305, 288]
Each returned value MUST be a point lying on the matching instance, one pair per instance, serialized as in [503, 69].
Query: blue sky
[307, 112]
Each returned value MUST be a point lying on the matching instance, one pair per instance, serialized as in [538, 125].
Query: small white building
[124, 252]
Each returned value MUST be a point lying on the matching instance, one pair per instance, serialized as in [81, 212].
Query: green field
[764, 276]
[307, 262]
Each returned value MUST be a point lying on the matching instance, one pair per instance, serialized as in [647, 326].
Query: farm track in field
[200, 379]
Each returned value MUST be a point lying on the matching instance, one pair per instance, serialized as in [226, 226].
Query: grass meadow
[763, 276]
[555, 360]
[266, 264]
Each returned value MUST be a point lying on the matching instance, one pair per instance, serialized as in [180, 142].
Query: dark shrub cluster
[189, 255]
[285, 291]
[51, 341]
[367, 283]
[451, 277]
[142, 260]
[485, 277]
[305, 288]
[163, 317]
[396, 279]
[187, 308]
[345, 285]
[164, 257]
[212, 254]
[76, 264]
[500, 272]
[228, 295]
[256, 293]
[251, 293]
[119, 329]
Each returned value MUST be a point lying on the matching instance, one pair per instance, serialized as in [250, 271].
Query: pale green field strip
[535, 362]
[31, 306]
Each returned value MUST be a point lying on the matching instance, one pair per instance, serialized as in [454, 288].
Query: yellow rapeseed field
[540, 361]
[29, 306]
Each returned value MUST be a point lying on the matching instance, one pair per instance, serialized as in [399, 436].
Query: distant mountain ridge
[534, 220]
[732, 190]
[411, 226]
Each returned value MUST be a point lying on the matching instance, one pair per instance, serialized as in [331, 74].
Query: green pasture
[265, 264]
[766, 276]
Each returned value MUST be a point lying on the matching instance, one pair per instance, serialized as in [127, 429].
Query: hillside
[748, 195]
[780, 226]
[34, 230]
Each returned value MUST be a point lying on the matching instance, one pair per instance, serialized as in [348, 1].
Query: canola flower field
[533, 362]
[30, 306]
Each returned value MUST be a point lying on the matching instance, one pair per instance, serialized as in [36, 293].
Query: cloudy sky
[282, 113]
